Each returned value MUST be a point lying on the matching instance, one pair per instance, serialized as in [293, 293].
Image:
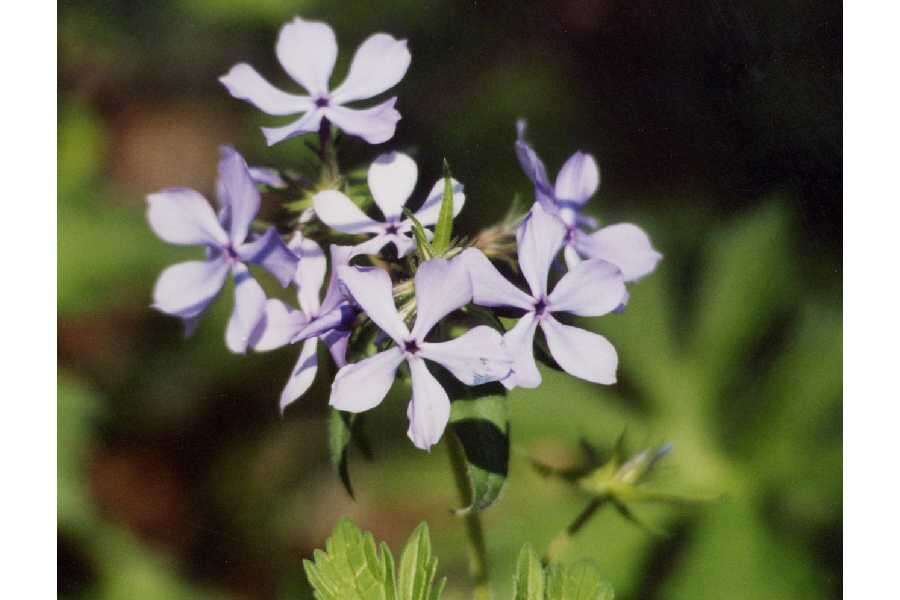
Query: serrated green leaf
[351, 567]
[423, 248]
[443, 230]
[529, 577]
[578, 581]
[418, 568]
[479, 418]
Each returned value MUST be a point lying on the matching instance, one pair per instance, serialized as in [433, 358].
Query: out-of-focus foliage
[717, 127]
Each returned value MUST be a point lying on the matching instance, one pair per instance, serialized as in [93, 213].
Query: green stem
[327, 153]
[478, 560]
[562, 540]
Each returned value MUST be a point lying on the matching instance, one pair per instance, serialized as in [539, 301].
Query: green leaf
[444, 227]
[423, 248]
[351, 567]
[418, 568]
[578, 581]
[479, 418]
[529, 577]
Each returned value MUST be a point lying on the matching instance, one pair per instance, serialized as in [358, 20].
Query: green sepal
[344, 428]
[529, 577]
[423, 248]
[443, 230]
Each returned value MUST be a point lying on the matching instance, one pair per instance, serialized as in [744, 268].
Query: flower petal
[337, 341]
[279, 326]
[441, 287]
[476, 357]
[593, 288]
[392, 177]
[379, 64]
[534, 169]
[626, 246]
[363, 385]
[186, 289]
[308, 123]
[581, 353]
[302, 375]
[270, 252]
[371, 288]
[375, 125]
[541, 238]
[244, 83]
[334, 295]
[520, 342]
[339, 212]
[339, 318]
[243, 328]
[238, 192]
[578, 179]
[307, 50]
[573, 259]
[310, 273]
[183, 216]
[268, 176]
[489, 287]
[429, 409]
[430, 210]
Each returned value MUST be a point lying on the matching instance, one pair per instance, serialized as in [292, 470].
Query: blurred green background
[717, 126]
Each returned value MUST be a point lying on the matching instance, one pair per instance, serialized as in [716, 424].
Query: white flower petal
[593, 288]
[308, 123]
[371, 288]
[363, 385]
[578, 179]
[310, 273]
[626, 246]
[581, 353]
[441, 287]
[243, 328]
[476, 357]
[183, 216]
[186, 289]
[489, 286]
[375, 125]
[519, 342]
[279, 326]
[379, 64]
[302, 375]
[429, 409]
[541, 238]
[244, 83]
[392, 177]
[339, 212]
[307, 50]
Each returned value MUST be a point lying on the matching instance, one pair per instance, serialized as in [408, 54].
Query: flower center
[540, 307]
[321, 102]
[411, 346]
[231, 253]
[391, 229]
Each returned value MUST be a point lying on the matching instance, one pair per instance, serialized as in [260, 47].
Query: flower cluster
[401, 294]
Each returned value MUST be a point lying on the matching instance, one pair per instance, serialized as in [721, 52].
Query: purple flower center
[570, 234]
[411, 346]
[540, 307]
[231, 253]
[391, 229]
[321, 102]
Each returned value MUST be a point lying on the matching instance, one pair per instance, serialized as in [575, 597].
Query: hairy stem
[478, 560]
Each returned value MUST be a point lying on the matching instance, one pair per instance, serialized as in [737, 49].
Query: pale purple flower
[307, 50]
[392, 178]
[592, 288]
[183, 216]
[476, 357]
[625, 245]
[328, 320]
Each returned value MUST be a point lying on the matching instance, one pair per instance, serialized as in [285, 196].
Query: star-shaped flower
[184, 217]
[308, 50]
[592, 288]
[392, 178]
[329, 320]
[476, 357]
[624, 244]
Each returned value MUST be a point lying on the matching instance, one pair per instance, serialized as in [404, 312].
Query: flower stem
[327, 153]
[562, 540]
[478, 561]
